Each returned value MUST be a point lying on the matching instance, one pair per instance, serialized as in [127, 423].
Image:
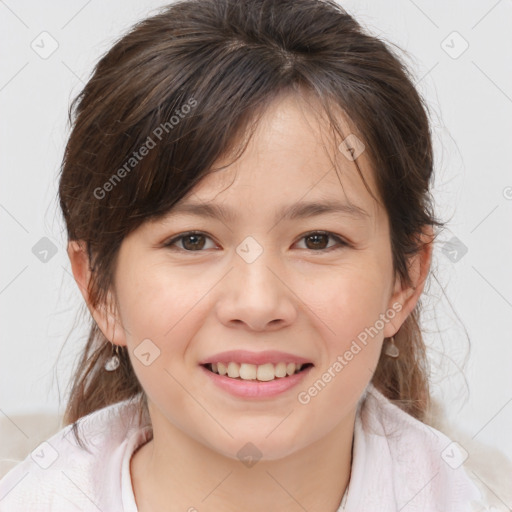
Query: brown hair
[226, 60]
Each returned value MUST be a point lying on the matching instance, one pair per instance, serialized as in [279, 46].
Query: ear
[105, 315]
[407, 296]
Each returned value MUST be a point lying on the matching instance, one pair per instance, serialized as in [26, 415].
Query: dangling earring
[113, 362]
[391, 350]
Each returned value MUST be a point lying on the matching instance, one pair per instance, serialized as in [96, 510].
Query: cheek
[348, 310]
[159, 310]
[162, 312]
[154, 302]
[348, 300]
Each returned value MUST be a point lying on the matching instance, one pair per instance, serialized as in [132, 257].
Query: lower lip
[256, 388]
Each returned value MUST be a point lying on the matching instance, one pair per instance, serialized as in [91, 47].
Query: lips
[256, 358]
[256, 389]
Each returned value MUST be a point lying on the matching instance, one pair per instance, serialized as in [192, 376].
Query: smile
[263, 372]
[239, 386]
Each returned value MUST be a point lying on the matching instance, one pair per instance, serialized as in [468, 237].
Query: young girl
[246, 195]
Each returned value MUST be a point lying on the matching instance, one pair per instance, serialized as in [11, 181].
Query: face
[318, 287]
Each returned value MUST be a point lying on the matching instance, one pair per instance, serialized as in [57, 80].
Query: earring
[390, 349]
[113, 362]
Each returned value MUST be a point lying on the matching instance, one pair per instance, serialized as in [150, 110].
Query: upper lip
[257, 358]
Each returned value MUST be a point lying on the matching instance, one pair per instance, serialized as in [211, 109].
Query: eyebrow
[294, 211]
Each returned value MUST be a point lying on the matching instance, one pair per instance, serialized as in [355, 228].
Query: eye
[319, 238]
[194, 241]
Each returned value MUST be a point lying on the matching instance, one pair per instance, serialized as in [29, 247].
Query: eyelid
[171, 241]
[341, 241]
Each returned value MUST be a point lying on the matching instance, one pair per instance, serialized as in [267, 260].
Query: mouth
[261, 373]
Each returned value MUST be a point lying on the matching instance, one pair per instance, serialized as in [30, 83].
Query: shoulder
[419, 467]
[62, 475]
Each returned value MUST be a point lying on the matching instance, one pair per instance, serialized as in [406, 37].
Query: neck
[174, 472]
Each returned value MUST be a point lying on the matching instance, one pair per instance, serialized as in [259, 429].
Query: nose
[255, 295]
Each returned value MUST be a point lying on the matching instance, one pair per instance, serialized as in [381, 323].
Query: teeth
[280, 370]
[233, 370]
[263, 372]
[249, 371]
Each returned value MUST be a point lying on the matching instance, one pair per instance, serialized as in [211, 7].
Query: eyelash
[341, 242]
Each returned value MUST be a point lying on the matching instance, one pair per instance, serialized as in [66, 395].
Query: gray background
[469, 93]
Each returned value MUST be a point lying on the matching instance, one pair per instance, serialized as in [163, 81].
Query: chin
[251, 449]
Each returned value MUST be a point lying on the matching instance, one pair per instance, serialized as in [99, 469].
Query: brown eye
[196, 242]
[193, 242]
[318, 240]
[190, 242]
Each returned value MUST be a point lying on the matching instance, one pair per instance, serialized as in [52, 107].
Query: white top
[414, 468]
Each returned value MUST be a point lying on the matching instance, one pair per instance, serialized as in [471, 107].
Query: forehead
[292, 156]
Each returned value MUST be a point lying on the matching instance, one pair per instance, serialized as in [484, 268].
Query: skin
[295, 297]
